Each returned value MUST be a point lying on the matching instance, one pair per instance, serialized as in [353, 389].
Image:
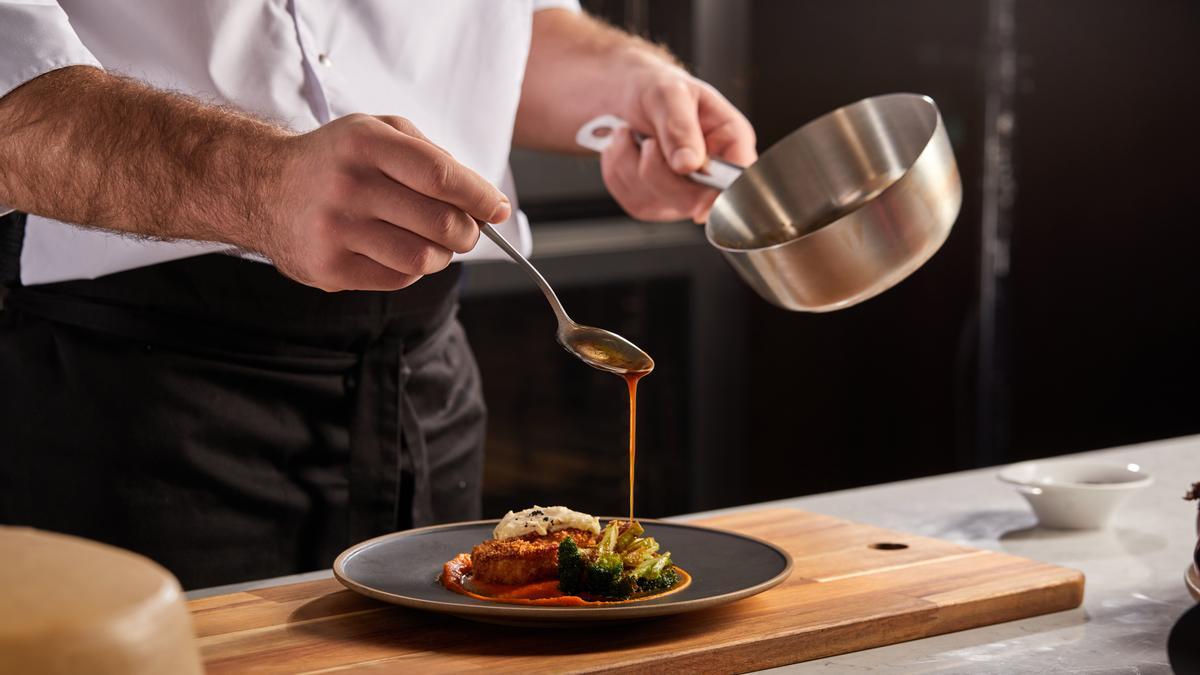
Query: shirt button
[325, 60]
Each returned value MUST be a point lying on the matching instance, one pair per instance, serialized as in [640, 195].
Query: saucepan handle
[597, 134]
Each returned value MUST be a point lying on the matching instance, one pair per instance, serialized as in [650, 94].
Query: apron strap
[387, 439]
[411, 431]
[412, 442]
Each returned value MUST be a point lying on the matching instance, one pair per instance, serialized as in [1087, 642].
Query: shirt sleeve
[36, 38]
[539, 5]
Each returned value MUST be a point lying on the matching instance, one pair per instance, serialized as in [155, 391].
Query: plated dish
[406, 568]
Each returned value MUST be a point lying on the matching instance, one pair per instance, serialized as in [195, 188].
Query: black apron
[233, 424]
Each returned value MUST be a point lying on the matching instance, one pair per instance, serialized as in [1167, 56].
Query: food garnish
[556, 556]
[621, 565]
[544, 520]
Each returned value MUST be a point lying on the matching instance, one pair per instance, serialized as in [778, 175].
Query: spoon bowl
[604, 350]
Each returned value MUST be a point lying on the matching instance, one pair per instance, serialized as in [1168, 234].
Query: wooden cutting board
[843, 595]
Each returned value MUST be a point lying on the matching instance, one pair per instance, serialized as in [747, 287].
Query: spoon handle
[537, 277]
[596, 135]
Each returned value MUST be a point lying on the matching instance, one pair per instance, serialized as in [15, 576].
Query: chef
[231, 254]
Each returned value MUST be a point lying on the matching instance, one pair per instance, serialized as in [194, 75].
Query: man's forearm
[574, 61]
[83, 146]
[363, 202]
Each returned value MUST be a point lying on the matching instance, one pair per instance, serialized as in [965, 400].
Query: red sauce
[456, 576]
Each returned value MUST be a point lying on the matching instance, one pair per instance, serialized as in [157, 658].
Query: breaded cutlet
[523, 560]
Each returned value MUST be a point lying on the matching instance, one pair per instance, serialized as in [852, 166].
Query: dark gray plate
[403, 569]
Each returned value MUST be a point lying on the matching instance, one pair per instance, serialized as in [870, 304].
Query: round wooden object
[70, 605]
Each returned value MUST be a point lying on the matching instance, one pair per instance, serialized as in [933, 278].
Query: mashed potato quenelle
[544, 520]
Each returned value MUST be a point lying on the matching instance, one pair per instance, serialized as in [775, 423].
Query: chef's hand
[369, 203]
[687, 121]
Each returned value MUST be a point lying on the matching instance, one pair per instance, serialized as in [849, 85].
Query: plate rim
[513, 611]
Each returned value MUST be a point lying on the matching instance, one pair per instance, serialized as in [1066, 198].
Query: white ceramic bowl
[1075, 495]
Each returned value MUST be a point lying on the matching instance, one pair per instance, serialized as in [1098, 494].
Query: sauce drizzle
[632, 380]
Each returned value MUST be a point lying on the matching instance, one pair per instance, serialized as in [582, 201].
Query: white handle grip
[596, 134]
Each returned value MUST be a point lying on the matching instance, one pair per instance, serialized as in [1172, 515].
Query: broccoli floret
[665, 580]
[604, 577]
[571, 566]
[614, 572]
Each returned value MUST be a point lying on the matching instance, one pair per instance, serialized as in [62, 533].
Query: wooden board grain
[843, 596]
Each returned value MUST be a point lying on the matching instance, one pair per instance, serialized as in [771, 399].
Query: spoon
[599, 348]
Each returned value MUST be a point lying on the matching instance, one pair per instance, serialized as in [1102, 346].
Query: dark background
[1088, 341]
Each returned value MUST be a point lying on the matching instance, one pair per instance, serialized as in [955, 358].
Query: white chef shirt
[452, 67]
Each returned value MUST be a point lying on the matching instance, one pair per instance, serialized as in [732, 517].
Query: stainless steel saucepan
[838, 211]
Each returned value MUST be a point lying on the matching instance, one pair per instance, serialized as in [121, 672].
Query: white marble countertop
[1134, 570]
[1134, 589]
